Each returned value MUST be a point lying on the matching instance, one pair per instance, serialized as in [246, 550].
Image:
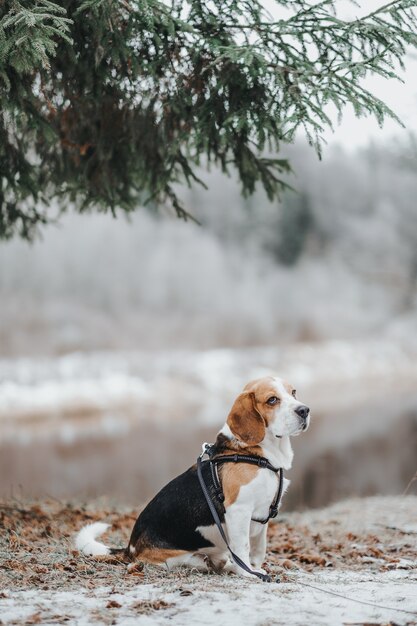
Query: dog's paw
[233, 568]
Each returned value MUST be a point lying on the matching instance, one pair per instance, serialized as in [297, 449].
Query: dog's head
[267, 405]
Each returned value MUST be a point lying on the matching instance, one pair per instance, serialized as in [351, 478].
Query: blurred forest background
[123, 343]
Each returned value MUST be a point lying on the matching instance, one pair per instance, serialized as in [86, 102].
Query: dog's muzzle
[303, 413]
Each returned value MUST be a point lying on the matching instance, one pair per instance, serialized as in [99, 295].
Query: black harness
[214, 461]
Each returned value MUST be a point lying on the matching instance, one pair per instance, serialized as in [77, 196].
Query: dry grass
[36, 549]
[301, 546]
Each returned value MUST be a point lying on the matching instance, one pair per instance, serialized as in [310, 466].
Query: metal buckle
[262, 462]
[205, 449]
[273, 511]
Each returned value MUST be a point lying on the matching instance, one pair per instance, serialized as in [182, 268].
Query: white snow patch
[230, 600]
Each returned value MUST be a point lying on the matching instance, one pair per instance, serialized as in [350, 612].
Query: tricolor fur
[176, 527]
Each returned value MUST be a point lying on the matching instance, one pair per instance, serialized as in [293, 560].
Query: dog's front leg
[258, 544]
[238, 520]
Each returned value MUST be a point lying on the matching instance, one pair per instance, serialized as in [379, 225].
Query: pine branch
[106, 103]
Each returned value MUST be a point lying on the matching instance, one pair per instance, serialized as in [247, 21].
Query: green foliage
[109, 104]
[28, 36]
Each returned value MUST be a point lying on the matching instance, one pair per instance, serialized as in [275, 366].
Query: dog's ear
[245, 421]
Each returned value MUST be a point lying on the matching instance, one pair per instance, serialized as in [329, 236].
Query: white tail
[85, 540]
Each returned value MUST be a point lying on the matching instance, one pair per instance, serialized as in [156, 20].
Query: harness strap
[273, 509]
[216, 482]
[264, 577]
[260, 461]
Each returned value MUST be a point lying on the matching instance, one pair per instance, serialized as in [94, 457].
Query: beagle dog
[177, 528]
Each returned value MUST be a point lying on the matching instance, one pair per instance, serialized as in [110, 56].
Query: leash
[261, 462]
[365, 602]
[236, 458]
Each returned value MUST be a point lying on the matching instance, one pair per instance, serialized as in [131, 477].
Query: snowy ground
[227, 602]
[363, 550]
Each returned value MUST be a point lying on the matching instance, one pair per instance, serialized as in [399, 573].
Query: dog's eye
[271, 401]
[294, 393]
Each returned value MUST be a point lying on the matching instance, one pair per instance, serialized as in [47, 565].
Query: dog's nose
[303, 411]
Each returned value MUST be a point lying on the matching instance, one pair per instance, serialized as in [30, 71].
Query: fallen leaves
[136, 569]
[314, 559]
[145, 607]
[185, 592]
[287, 564]
[15, 565]
[37, 549]
[36, 618]
[113, 604]
[297, 546]
[372, 624]
[36, 543]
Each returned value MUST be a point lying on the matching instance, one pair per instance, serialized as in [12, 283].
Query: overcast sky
[402, 98]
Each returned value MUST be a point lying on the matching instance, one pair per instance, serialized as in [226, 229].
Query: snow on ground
[362, 550]
[228, 602]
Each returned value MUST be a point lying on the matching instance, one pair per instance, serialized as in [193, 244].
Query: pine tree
[108, 104]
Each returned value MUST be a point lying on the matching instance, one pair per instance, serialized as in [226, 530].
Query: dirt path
[362, 549]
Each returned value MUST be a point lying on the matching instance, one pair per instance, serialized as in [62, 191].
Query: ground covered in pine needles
[364, 550]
